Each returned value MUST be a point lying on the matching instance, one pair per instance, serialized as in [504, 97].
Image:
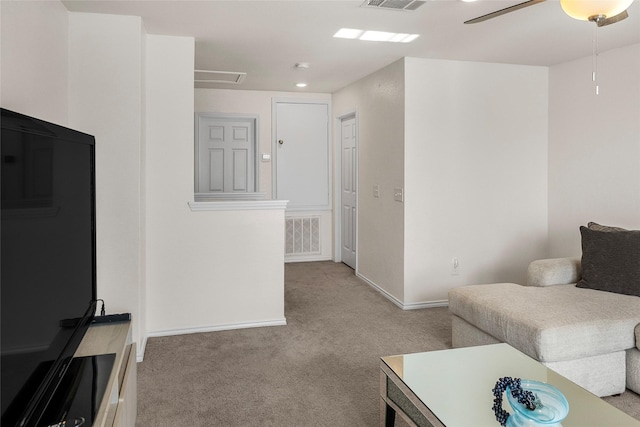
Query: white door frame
[337, 214]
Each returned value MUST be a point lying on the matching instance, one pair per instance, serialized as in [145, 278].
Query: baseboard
[310, 258]
[201, 329]
[426, 304]
[141, 349]
[396, 301]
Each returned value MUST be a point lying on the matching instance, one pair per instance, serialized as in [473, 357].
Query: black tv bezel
[31, 412]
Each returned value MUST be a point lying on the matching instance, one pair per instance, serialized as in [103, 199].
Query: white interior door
[349, 158]
[225, 155]
[302, 155]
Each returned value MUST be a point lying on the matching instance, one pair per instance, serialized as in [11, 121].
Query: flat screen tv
[48, 261]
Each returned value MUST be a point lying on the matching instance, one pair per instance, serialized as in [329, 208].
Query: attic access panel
[202, 77]
[394, 4]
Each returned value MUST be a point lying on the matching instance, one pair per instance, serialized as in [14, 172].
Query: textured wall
[594, 147]
[34, 59]
[475, 173]
[378, 100]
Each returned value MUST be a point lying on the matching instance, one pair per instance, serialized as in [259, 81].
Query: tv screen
[48, 259]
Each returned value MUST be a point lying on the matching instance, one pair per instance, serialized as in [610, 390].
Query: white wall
[378, 100]
[34, 59]
[105, 100]
[198, 269]
[594, 147]
[475, 174]
[259, 103]
[250, 102]
[205, 270]
[83, 71]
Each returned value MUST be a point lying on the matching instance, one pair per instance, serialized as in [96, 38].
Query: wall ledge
[238, 205]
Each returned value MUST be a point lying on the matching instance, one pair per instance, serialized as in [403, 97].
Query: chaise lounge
[579, 317]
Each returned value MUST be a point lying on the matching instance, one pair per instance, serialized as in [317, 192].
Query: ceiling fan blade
[503, 11]
[607, 21]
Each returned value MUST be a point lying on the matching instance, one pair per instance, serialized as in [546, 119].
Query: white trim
[384, 293]
[238, 205]
[426, 304]
[206, 197]
[302, 258]
[396, 301]
[141, 349]
[217, 328]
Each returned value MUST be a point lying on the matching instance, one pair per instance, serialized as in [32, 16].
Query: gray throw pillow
[611, 261]
[598, 227]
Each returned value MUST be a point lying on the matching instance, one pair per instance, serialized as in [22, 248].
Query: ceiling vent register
[394, 4]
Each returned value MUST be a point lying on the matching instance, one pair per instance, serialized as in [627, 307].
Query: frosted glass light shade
[583, 10]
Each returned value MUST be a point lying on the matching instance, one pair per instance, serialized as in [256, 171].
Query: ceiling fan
[602, 12]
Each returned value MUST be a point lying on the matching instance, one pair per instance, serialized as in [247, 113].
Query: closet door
[302, 155]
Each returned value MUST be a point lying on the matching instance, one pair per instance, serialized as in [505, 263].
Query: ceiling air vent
[202, 77]
[394, 4]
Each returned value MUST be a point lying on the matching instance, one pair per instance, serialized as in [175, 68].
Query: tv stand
[119, 404]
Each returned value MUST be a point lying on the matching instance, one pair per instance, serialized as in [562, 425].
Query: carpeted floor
[321, 369]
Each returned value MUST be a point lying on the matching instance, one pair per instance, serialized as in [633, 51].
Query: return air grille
[394, 4]
[302, 235]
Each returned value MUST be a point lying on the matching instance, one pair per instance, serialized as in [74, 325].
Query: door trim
[337, 189]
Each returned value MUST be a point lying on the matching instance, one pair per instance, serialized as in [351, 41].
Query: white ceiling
[266, 38]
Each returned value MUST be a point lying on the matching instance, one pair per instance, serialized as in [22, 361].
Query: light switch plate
[398, 194]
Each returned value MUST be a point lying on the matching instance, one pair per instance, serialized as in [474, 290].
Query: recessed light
[301, 84]
[411, 37]
[376, 36]
[348, 33]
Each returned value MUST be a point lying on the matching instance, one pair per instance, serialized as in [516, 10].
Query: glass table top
[456, 386]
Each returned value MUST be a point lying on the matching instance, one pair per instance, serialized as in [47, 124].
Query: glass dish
[551, 406]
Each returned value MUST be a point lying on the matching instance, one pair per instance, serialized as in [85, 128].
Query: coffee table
[452, 388]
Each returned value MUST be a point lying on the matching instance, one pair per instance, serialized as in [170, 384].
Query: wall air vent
[394, 4]
[302, 236]
[202, 78]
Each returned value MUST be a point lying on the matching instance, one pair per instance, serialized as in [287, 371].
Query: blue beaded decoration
[524, 397]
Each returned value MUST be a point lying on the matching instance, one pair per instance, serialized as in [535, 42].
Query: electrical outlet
[455, 266]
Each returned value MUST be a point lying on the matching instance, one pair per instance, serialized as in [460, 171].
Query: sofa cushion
[611, 261]
[553, 271]
[552, 323]
[638, 336]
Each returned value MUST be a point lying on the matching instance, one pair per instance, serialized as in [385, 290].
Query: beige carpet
[322, 369]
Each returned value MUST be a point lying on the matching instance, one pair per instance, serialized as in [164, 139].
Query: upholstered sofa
[588, 335]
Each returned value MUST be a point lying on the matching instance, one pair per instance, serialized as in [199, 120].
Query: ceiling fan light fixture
[593, 10]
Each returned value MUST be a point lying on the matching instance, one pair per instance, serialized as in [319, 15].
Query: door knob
[280, 142]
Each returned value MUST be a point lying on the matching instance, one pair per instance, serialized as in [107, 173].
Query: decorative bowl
[551, 406]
